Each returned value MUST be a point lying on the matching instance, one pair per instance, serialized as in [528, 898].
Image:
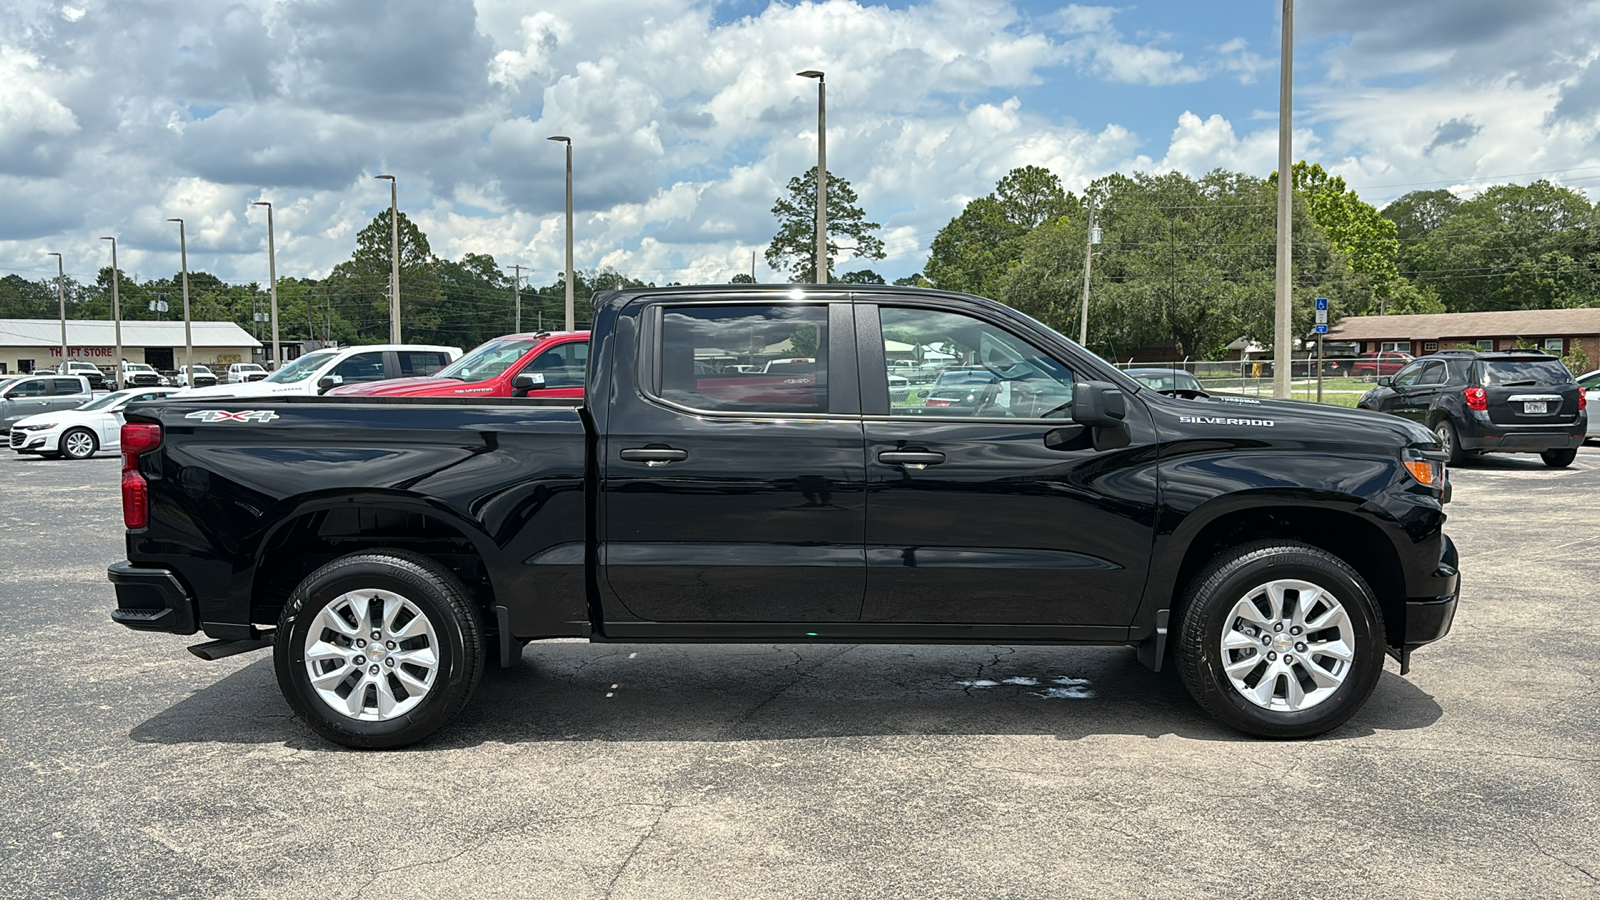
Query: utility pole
[1283, 296]
[61, 295]
[516, 290]
[116, 314]
[394, 256]
[1088, 258]
[822, 172]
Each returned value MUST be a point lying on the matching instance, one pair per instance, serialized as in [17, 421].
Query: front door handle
[911, 459]
[654, 456]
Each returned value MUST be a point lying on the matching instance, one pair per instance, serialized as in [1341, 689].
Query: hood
[417, 386]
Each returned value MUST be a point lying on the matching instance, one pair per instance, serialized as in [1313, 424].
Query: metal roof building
[29, 344]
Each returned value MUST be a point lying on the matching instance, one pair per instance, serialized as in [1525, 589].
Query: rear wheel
[378, 649]
[1559, 459]
[79, 443]
[1445, 430]
[1280, 640]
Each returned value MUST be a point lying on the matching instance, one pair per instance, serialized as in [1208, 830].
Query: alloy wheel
[371, 655]
[1287, 645]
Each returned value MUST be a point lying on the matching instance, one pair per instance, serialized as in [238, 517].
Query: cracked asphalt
[129, 768]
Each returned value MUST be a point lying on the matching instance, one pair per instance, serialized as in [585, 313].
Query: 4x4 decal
[221, 415]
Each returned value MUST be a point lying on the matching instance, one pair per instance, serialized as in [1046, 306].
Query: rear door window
[65, 386]
[704, 350]
[421, 362]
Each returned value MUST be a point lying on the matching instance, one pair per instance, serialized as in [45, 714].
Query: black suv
[1512, 401]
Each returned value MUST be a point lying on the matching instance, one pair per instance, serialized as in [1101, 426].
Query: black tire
[78, 443]
[412, 587]
[1449, 440]
[1209, 612]
[1559, 459]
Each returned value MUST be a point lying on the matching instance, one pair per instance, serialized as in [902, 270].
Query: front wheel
[79, 443]
[378, 649]
[1559, 459]
[1280, 640]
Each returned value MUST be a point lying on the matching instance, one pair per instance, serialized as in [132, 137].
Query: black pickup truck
[388, 549]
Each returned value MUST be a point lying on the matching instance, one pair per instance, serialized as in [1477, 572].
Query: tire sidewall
[1209, 616]
[457, 671]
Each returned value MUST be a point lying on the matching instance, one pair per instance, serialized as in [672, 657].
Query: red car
[491, 369]
[1388, 362]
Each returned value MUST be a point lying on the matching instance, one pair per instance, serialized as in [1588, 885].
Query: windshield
[136, 367]
[248, 367]
[1518, 372]
[487, 361]
[302, 368]
[106, 400]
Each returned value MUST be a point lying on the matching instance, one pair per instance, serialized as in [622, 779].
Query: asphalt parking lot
[130, 768]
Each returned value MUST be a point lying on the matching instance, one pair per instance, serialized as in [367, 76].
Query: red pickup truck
[542, 364]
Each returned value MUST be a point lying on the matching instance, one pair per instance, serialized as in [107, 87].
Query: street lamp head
[560, 137]
[108, 238]
[262, 203]
[811, 73]
[384, 177]
[179, 221]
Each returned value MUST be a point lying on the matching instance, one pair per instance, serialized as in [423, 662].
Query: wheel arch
[317, 529]
[1332, 526]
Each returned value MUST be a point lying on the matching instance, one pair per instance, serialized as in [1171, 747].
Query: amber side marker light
[1425, 471]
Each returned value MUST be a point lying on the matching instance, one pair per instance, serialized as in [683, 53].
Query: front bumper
[151, 600]
[1429, 618]
[33, 441]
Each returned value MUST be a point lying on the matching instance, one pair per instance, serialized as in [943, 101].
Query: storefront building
[28, 345]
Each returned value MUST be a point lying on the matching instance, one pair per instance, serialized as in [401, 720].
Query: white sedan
[78, 433]
[1591, 393]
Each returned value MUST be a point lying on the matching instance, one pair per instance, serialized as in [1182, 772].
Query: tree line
[1183, 262]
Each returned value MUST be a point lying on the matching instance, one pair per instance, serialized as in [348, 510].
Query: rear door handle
[654, 456]
[911, 459]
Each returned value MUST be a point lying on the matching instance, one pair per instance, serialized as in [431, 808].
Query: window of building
[1430, 346]
[1553, 345]
[1395, 346]
[757, 358]
[1486, 345]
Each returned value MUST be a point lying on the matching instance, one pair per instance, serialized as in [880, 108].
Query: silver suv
[29, 395]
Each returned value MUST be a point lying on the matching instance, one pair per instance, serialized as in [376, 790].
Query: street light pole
[61, 295]
[570, 276]
[1283, 296]
[394, 257]
[272, 275]
[822, 173]
[116, 314]
[188, 334]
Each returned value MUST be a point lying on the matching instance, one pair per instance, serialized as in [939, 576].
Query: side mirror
[1385, 381]
[920, 395]
[527, 381]
[1098, 403]
[327, 382]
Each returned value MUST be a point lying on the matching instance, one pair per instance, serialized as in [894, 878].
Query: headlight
[37, 427]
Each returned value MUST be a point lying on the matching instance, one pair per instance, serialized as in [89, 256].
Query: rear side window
[1521, 372]
[707, 353]
[65, 386]
[421, 362]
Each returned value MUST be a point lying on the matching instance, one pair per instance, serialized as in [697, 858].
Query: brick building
[1557, 331]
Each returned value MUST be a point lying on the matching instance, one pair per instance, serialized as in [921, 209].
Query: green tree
[359, 287]
[742, 278]
[977, 249]
[1355, 228]
[479, 302]
[794, 247]
[1534, 246]
[861, 276]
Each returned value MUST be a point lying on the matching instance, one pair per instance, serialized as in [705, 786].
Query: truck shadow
[755, 692]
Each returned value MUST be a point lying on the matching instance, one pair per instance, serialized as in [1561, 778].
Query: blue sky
[688, 120]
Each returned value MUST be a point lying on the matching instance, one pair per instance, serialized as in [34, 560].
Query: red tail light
[1583, 399]
[934, 402]
[137, 438]
[1476, 398]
